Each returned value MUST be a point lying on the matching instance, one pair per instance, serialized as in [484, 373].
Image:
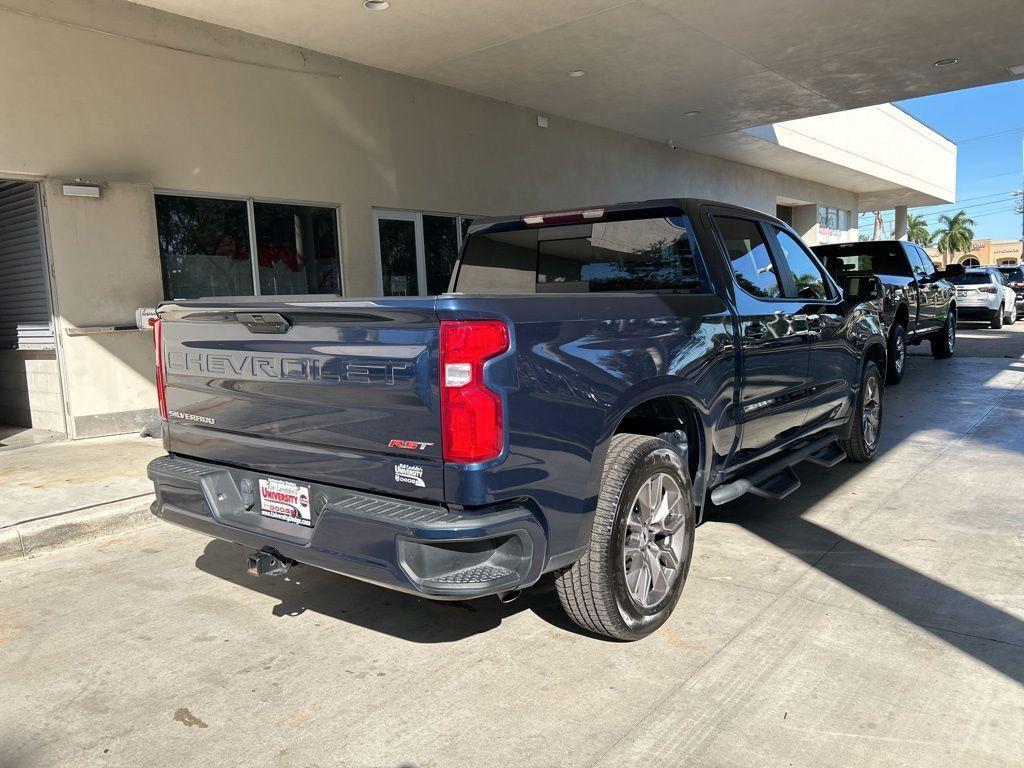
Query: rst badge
[409, 445]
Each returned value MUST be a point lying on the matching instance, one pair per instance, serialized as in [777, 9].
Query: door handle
[813, 321]
[755, 331]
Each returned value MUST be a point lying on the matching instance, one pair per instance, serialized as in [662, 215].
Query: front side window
[808, 280]
[751, 262]
[206, 247]
[923, 263]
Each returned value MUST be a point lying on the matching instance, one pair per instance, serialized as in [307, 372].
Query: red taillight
[158, 344]
[471, 414]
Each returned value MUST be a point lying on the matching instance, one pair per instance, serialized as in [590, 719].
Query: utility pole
[1018, 204]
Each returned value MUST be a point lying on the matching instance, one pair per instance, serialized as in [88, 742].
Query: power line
[989, 135]
[891, 217]
[934, 216]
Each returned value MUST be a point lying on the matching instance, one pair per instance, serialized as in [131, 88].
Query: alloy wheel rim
[951, 335]
[901, 354]
[652, 551]
[871, 418]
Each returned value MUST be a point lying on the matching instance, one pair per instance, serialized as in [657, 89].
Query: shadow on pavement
[332, 595]
[973, 626]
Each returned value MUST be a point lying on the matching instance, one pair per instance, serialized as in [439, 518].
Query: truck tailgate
[343, 392]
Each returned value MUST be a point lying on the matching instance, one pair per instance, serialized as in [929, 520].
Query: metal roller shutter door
[24, 303]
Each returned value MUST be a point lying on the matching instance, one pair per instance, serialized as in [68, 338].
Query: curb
[52, 533]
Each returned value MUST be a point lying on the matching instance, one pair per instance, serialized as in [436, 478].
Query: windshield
[645, 254]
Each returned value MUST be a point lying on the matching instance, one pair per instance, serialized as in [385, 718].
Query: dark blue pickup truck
[592, 381]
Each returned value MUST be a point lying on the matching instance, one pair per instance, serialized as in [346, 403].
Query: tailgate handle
[263, 322]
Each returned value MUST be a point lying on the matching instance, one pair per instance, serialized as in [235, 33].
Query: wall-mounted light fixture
[81, 189]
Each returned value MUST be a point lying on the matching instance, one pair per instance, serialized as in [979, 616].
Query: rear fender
[636, 396]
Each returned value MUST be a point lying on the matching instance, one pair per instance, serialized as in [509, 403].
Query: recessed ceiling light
[577, 73]
[946, 62]
[1018, 70]
[376, 5]
[691, 113]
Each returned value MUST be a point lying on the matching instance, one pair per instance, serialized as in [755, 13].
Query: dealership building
[176, 149]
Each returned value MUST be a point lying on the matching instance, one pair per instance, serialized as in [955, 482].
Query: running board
[777, 479]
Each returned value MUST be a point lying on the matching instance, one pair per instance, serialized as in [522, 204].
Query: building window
[207, 246]
[417, 251]
[833, 224]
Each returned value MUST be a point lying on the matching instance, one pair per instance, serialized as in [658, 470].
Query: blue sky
[987, 125]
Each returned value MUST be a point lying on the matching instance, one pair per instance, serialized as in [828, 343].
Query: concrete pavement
[58, 493]
[873, 618]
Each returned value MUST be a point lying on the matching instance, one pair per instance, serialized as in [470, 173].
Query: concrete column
[900, 232]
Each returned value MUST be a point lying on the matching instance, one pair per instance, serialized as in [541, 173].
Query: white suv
[983, 294]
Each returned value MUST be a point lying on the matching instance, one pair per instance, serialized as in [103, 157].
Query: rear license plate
[285, 500]
[961, 294]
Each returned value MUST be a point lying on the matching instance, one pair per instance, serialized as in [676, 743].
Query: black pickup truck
[918, 303]
[592, 379]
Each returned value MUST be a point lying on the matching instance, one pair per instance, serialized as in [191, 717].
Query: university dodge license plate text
[285, 500]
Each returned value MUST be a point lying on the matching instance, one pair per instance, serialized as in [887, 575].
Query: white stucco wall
[246, 116]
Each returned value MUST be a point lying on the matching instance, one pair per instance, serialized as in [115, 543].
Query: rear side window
[651, 254]
[808, 280]
[751, 261]
[878, 258]
[1015, 274]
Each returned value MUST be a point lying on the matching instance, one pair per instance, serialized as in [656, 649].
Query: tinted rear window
[879, 258]
[972, 278]
[1015, 274]
[652, 254]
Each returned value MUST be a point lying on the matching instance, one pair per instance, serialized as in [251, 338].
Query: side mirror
[860, 288]
[954, 270]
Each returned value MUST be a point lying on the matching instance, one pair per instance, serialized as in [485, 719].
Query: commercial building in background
[149, 156]
[984, 253]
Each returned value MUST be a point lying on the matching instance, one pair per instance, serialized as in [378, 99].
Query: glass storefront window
[297, 249]
[206, 247]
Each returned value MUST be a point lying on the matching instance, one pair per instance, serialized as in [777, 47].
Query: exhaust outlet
[509, 597]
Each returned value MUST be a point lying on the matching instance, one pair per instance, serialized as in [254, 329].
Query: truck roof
[667, 206]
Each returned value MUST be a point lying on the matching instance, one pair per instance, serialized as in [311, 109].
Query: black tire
[897, 354]
[594, 590]
[862, 444]
[944, 343]
[997, 319]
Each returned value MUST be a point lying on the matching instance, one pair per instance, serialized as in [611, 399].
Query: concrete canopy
[648, 62]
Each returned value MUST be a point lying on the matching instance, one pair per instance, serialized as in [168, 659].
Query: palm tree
[917, 230]
[954, 234]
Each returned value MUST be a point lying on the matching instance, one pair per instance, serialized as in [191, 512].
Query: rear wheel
[862, 444]
[1012, 317]
[629, 580]
[897, 354]
[997, 318]
[944, 343]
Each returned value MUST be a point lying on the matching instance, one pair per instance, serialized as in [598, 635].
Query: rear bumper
[973, 311]
[420, 548]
